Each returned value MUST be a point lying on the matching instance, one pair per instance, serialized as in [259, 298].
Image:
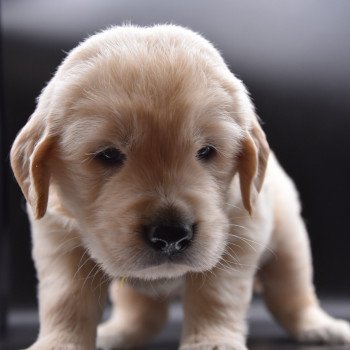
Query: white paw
[332, 332]
[213, 346]
[111, 336]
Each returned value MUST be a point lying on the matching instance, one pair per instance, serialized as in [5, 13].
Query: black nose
[169, 239]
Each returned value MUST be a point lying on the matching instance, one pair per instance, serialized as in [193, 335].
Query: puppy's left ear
[252, 164]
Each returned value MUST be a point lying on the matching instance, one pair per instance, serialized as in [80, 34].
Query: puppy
[144, 161]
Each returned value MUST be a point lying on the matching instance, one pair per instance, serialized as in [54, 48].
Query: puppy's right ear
[29, 161]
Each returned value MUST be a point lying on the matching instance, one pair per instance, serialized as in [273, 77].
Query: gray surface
[264, 332]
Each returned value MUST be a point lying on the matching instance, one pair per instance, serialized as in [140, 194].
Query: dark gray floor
[264, 332]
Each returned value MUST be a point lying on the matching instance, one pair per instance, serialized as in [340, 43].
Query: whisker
[240, 226]
[79, 264]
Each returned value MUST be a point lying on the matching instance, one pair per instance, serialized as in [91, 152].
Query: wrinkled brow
[89, 131]
[222, 128]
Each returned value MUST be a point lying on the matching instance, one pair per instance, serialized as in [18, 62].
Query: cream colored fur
[159, 94]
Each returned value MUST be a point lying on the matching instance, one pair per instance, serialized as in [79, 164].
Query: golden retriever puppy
[144, 162]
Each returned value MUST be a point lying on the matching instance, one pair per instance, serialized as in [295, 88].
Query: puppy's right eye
[205, 153]
[111, 157]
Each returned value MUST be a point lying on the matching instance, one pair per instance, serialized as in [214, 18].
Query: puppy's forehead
[163, 83]
[146, 78]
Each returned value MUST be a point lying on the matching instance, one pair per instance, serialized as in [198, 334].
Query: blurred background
[294, 57]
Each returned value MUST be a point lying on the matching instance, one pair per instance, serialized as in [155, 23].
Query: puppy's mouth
[170, 258]
[165, 269]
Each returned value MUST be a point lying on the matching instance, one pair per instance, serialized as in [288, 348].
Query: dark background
[294, 56]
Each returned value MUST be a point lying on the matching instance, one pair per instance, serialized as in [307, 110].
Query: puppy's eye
[111, 157]
[205, 153]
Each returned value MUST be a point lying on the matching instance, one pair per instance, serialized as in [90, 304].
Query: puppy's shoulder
[283, 190]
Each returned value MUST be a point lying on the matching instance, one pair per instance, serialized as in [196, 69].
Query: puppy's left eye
[205, 153]
[111, 157]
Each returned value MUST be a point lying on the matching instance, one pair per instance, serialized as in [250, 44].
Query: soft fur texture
[159, 94]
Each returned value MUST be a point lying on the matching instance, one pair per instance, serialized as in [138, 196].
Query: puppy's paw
[333, 332]
[112, 335]
[316, 326]
[213, 346]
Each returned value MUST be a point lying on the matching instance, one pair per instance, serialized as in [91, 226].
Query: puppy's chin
[166, 270]
[163, 271]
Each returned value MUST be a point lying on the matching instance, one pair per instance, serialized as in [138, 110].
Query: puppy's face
[141, 150]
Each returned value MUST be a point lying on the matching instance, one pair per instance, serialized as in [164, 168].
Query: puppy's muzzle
[169, 238]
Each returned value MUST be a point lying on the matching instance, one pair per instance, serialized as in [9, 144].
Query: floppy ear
[252, 164]
[29, 161]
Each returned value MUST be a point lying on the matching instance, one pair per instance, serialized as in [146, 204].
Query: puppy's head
[140, 134]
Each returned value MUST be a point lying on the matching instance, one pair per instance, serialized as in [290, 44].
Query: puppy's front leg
[215, 308]
[136, 318]
[71, 291]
